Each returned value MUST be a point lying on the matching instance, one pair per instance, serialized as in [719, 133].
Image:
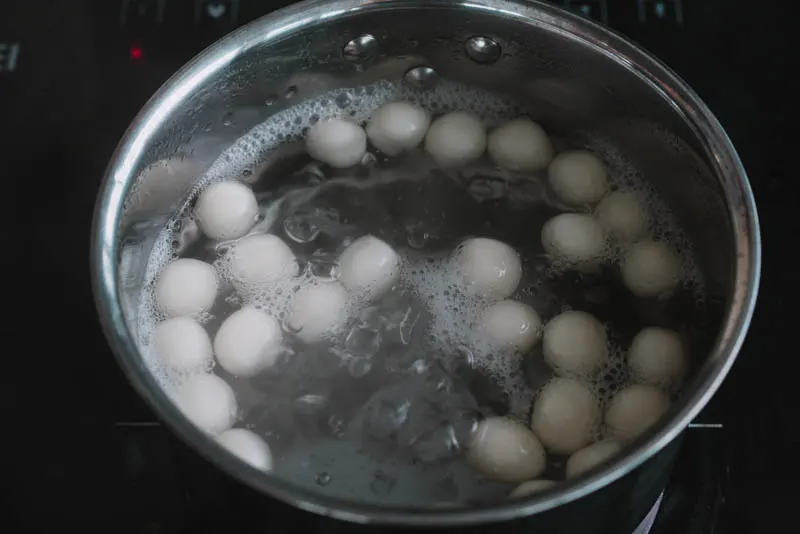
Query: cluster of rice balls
[566, 415]
[251, 340]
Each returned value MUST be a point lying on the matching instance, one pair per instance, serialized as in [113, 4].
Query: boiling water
[381, 411]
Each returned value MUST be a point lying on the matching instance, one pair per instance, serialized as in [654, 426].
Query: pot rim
[119, 177]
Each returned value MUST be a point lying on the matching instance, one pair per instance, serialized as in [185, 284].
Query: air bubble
[361, 341]
[482, 50]
[323, 269]
[361, 48]
[386, 414]
[359, 367]
[417, 235]
[483, 189]
[342, 100]
[436, 444]
[369, 160]
[382, 483]
[422, 77]
[300, 229]
[337, 426]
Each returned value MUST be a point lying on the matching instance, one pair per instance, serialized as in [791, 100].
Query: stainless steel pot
[579, 75]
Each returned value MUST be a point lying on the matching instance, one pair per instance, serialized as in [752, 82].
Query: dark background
[79, 449]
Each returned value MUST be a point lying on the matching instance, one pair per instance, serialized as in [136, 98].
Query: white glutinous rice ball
[575, 342]
[505, 450]
[574, 237]
[248, 342]
[520, 145]
[318, 310]
[337, 142]
[566, 415]
[633, 410]
[530, 487]
[490, 268]
[259, 260]
[622, 215]
[208, 402]
[248, 447]
[183, 344]
[512, 323]
[651, 268]
[186, 287]
[591, 456]
[657, 357]
[578, 177]
[398, 127]
[456, 139]
[369, 266]
[226, 210]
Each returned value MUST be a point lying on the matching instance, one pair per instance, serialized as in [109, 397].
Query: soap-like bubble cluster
[417, 300]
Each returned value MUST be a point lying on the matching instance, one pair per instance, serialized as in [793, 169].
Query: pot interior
[498, 62]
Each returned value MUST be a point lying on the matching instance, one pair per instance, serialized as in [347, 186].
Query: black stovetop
[82, 450]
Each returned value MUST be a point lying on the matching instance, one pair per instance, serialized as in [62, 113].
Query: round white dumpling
[318, 310]
[181, 343]
[566, 415]
[337, 142]
[591, 456]
[530, 487]
[248, 447]
[456, 139]
[512, 323]
[574, 237]
[186, 287]
[651, 269]
[226, 210]
[657, 357]
[578, 177]
[520, 145]
[259, 260]
[622, 215]
[502, 449]
[490, 268]
[208, 402]
[398, 127]
[248, 342]
[634, 409]
[575, 342]
[369, 266]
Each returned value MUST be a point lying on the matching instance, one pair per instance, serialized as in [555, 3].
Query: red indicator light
[136, 52]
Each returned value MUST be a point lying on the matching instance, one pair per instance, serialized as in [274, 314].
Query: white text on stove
[9, 53]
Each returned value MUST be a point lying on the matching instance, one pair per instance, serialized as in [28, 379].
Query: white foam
[455, 313]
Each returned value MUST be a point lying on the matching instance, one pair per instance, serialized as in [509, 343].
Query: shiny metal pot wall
[578, 75]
